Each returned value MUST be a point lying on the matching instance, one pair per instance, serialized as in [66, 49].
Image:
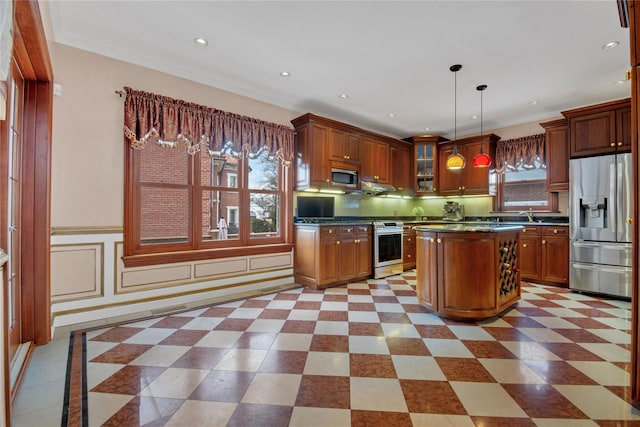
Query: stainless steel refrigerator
[600, 203]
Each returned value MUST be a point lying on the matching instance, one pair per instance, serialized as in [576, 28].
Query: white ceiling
[388, 56]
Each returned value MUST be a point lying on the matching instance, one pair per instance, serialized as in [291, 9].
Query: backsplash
[351, 205]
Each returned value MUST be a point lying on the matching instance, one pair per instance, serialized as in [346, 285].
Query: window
[522, 177]
[222, 194]
[197, 202]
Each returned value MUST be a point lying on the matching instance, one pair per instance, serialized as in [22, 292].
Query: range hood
[373, 188]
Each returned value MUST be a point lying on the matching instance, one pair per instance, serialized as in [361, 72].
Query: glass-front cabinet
[425, 178]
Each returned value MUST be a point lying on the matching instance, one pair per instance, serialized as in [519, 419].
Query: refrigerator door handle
[612, 203]
[600, 245]
[617, 270]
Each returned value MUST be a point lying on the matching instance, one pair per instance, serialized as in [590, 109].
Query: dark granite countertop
[469, 228]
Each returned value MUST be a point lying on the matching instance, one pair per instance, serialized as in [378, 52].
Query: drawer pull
[619, 144]
[338, 242]
[439, 240]
[330, 231]
[432, 240]
[349, 230]
[524, 245]
[544, 242]
[613, 144]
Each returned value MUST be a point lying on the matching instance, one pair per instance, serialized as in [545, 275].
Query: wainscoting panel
[91, 286]
[77, 271]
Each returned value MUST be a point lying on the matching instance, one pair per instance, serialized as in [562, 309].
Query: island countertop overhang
[468, 228]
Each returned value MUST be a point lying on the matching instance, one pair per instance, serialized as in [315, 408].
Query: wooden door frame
[31, 53]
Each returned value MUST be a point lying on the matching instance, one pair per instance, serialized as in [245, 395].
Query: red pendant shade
[481, 160]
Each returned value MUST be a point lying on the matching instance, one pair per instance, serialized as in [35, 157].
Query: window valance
[170, 122]
[526, 152]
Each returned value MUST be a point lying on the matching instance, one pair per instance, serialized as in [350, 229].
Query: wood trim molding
[70, 231]
[606, 106]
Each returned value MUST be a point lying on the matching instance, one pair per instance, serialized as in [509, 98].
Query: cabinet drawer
[409, 239]
[362, 228]
[555, 231]
[531, 230]
[346, 230]
[328, 231]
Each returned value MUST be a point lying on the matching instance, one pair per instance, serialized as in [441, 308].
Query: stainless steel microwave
[344, 177]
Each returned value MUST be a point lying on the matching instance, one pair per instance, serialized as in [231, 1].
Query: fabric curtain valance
[526, 152]
[170, 122]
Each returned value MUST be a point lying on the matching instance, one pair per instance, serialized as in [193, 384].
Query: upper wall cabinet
[400, 155]
[425, 164]
[469, 180]
[322, 144]
[557, 154]
[600, 129]
[375, 160]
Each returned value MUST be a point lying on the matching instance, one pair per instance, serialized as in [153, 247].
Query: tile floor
[363, 354]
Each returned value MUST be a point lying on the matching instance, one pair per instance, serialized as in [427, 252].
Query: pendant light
[481, 160]
[455, 161]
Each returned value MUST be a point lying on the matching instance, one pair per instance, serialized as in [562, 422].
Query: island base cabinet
[467, 275]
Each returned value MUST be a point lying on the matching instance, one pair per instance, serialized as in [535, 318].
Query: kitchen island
[467, 271]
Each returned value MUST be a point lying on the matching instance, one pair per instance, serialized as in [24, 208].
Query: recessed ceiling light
[610, 45]
[474, 117]
[199, 41]
[618, 82]
[427, 128]
[343, 96]
[285, 74]
[534, 102]
[391, 115]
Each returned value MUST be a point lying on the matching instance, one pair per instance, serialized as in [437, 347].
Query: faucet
[529, 214]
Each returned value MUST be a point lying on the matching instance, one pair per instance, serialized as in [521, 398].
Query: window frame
[196, 248]
[551, 206]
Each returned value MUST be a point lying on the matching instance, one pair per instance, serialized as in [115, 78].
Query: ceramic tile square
[417, 368]
[363, 317]
[530, 351]
[241, 360]
[368, 345]
[327, 363]
[177, 383]
[612, 335]
[556, 322]
[334, 306]
[511, 371]
[160, 355]
[487, 399]
[245, 313]
[266, 325]
[222, 339]
[598, 403]
[292, 342]
[403, 330]
[471, 333]
[603, 373]
[447, 348]
[279, 304]
[609, 352]
[377, 394]
[305, 417]
[203, 323]
[324, 392]
[303, 315]
[425, 319]
[273, 389]
[543, 334]
[202, 413]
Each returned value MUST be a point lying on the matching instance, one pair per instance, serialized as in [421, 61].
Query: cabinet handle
[524, 245]
[544, 242]
[619, 144]
[330, 231]
[613, 144]
[555, 231]
[357, 240]
[338, 242]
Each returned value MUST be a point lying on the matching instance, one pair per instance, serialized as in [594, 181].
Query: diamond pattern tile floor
[362, 354]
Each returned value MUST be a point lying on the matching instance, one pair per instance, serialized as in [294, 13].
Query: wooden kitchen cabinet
[427, 277]
[555, 255]
[323, 143]
[344, 146]
[467, 275]
[374, 156]
[425, 163]
[400, 156]
[408, 247]
[557, 154]
[600, 129]
[469, 180]
[544, 254]
[330, 255]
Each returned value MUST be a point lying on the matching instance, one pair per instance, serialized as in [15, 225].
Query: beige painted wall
[88, 145]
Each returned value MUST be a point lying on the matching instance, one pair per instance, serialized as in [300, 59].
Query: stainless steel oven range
[387, 248]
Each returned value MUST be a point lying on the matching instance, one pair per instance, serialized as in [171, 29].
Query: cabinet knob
[357, 240]
[613, 144]
[408, 255]
[555, 231]
[338, 242]
[330, 231]
[432, 240]
[629, 220]
[439, 240]
[619, 144]
[544, 242]
[435, 189]
[400, 188]
[506, 265]
[349, 230]
[327, 180]
[409, 239]
[524, 230]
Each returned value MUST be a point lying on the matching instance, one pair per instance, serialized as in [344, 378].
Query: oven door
[388, 248]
